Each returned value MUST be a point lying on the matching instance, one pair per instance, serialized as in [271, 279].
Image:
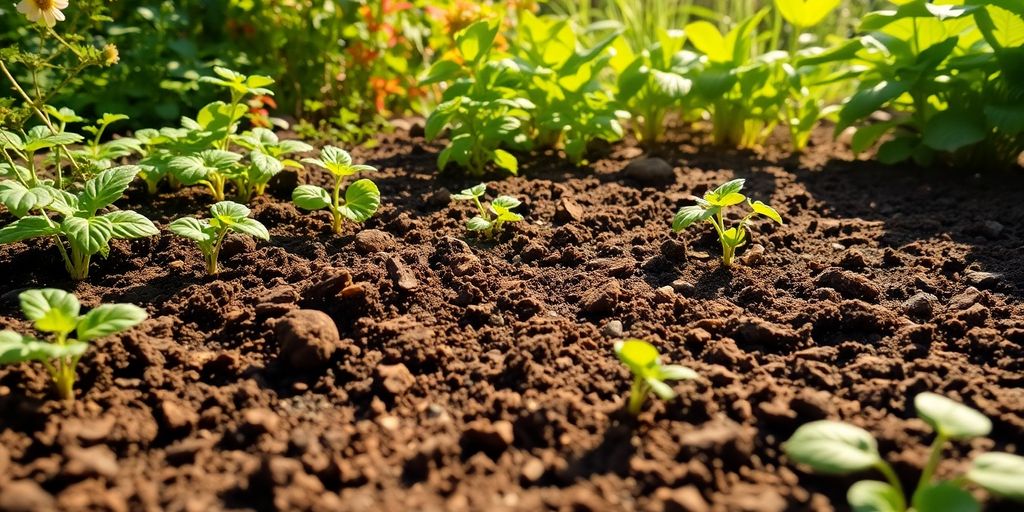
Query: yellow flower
[110, 55]
[44, 12]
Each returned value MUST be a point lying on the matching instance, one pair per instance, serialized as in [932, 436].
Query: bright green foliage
[76, 219]
[103, 154]
[225, 217]
[712, 209]
[837, 448]
[482, 107]
[655, 82]
[649, 375]
[57, 312]
[562, 81]
[362, 198]
[491, 220]
[211, 167]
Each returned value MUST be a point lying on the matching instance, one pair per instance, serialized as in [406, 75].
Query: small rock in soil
[601, 299]
[568, 210]
[849, 284]
[921, 305]
[664, 295]
[650, 171]
[177, 415]
[533, 469]
[674, 250]
[91, 462]
[612, 329]
[753, 256]
[261, 420]
[991, 229]
[684, 499]
[306, 339]
[983, 280]
[684, 287]
[439, 197]
[25, 496]
[237, 244]
[373, 240]
[490, 438]
[965, 299]
[396, 378]
[402, 276]
[328, 284]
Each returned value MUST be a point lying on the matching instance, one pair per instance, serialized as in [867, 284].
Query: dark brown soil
[473, 376]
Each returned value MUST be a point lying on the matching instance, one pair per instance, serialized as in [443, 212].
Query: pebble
[983, 279]
[568, 210]
[613, 329]
[395, 378]
[373, 240]
[178, 416]
[533, 469]
[650, 171]
[306, 339]
[991, 229]
[684, 287]
[921, 305]
[403, 277]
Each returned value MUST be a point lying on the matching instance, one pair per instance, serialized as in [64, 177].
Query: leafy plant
[482, 106]
[655, 82]
[490, 221]
[103, 154]
[712, 209]
[649, 375]
[837, 448]
[77, 219]
[57, 312]
[211, 167]
[362, 198]
[225, 217]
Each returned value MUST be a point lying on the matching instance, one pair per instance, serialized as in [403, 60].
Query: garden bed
[476, 376]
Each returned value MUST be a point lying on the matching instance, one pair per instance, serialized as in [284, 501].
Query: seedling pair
[649, 375]
[712, 209]
[225, 217]
[837, 448]
[491, 220]
[57, 312]
[362, 198]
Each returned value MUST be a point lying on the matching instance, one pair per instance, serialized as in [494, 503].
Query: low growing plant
[712, 209]
[491, 220]
[649, 375]
[57, 312]
[838, 448]
[77, 219]
[362, 198]
[225, 217]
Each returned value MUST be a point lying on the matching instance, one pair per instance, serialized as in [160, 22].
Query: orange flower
[382, 87]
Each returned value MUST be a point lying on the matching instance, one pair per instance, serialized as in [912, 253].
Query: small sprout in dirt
[492, 219]
[56, 312]
[649, 375]
[712, 209]
[225, 217]
[362, 198]
[838, 448]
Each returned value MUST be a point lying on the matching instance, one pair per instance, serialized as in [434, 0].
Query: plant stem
[637, 394]
[933, 463]
[890, 475]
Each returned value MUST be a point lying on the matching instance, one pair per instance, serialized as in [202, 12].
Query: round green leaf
[310, 197]
[229, 212]
[951, 419]
[129, 224]
[20, 199]
[874, 496]
[25, 228]
[506, 161]
[361, 201]
[109, 319]
[89, 236]
[767, 211]
[192, 228]
[478, 223]
[251, 227]
[833, 447]
[51, 310]
[805, 13]
[945, 497]
[1000, 473]
[687, 215]
[639, 355]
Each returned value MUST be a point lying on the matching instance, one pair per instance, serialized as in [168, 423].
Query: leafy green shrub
[225, 217]
[649, 375]
[490, 221]
[655, 82]
[362, 198]
[57, 312]
[837, 448]
[712, 209]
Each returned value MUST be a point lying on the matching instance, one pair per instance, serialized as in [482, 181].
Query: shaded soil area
[480, 376]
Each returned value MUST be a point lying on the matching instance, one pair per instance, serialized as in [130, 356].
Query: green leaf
[640, 356]
[469, 193]
[951, 130]
[475, 41]
[676, 372]
[805, 13]
[478, 223]
[1008, 119]
[34, 142]
[441, 71]
[361, 201]
[1001, 474]
[874, 496]
[505, 203]
[27, 227]
[671, 85]
[866, 136]
[706, 38]
[660, 388]
[896, 150]
[229, 212]
[767, 211]
[951, 419]
[251, 227]
[20, 199]
[108, 186]
[129, 224]
[506, 161]
[833, 447]
[311, 197]
[193, 229]
[865, 102]
[89, 236]
[944, 497]
[729, 187]
[688, 215]
[109, 319]
[15, 348]
[50, 309]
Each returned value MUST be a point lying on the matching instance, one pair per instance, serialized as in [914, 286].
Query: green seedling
[362, 198]
[103, 154]
[712, 209]
[649, 375]
[225, 217]
[491, 220]
[77, 221]
[56, 312]
[838, 448]
[213, 168]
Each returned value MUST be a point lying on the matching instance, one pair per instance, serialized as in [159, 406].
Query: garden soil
[404, 365]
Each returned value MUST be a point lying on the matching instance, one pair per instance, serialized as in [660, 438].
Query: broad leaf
[640, 356]
[311, 197]
[874, 496]
[27, 227]
[20, 199]
[129, 224]
[767, 211]
[478, 223]
[506, 161]
[805, 13]
[945, 497]
[999, 473]
[50, 309]
[951, 419]
[15, 348]
[90, 236]
[109, 319]
[833, 447]
[108, 186]
[193, 229]
[688, 215]
[362, 199]
[476, 40]
[251, 227]
[951, 130]
[866, 101]
[229, 212]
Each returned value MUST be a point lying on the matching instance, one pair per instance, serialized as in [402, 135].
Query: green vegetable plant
[491, 220]
[711, 208]
[649, 375]
[103, 154]
[838, 448]
[655, 82]
[225, 217]
[362, 198]
[57, 312]
[483, 106]
[76, 217]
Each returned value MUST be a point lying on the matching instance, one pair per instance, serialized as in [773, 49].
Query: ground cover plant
[649, 375]
[362, 197]
[490, 220]
[225, 217]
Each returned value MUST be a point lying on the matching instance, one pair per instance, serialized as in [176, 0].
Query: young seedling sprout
[838, 448]
[649, 375]
[362, 198]
[491, 220]
[225, 217]
[56, 312]
[712, 209]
